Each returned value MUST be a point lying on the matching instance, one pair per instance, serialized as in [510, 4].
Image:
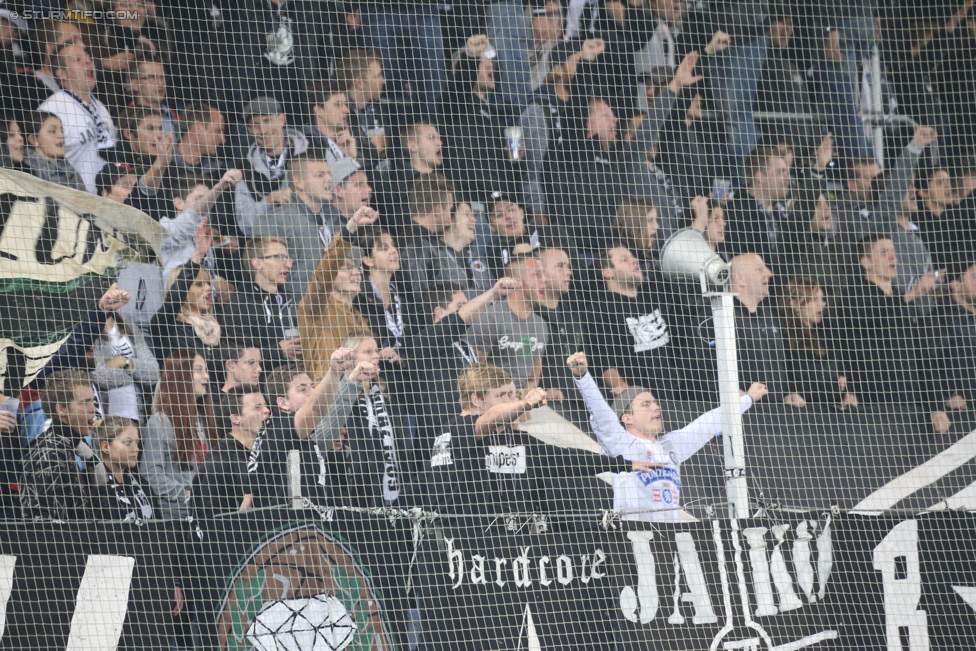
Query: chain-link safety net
[487, 325]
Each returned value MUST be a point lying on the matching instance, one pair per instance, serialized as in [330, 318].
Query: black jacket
[475, 147]
[167, 334]
[53, 485]
[585, 183]
[951, 329]
[878, 346]
[279, 49]
[752, 229]
[264, 318]
[761, 350]
[810, 376]
[391, 198]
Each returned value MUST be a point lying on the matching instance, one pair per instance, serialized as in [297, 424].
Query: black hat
[109, 174]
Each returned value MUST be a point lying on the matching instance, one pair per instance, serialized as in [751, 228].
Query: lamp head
[686, 254]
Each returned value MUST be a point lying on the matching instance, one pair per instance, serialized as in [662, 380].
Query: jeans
[735, 74]
[413, 52]
[509, 32]
[839, 88]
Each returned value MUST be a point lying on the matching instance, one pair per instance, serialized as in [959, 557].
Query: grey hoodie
[60, 172]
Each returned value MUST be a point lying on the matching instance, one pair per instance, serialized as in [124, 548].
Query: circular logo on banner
[301, 590]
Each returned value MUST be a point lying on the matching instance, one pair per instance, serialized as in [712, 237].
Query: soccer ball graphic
[301, 590]
[321, 623]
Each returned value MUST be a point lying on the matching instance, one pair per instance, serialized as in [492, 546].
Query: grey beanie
[622, 402]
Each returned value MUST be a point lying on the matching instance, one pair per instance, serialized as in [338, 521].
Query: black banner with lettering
[279, 579]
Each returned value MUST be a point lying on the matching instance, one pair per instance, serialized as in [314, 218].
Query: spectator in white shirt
[87, 124]
[632, 428]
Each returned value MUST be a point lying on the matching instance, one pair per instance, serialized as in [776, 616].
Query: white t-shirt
[88, 130]
[124, 400]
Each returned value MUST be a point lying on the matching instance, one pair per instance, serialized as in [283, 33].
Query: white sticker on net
[505, 459]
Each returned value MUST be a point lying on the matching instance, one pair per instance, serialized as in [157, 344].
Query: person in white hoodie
[632, 427]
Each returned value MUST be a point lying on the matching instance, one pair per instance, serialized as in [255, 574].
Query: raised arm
[320, 402]
[901, 177]
[508, 412]
[347, 394]
[650, 127]
[689, 439]
[470, 311]
[613, 437]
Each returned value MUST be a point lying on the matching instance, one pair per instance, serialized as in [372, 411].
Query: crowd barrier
[283, 580]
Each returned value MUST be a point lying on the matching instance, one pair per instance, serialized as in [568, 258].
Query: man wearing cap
[265, 169]
[87, 124]
[350, 188]
[510, 332]
[632, 428]
[327, 312]
[308, 221]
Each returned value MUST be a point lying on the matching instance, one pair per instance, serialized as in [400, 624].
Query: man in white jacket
[632, 428]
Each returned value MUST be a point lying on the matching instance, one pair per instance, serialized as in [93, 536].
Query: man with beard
[561, 313]
[630, 341]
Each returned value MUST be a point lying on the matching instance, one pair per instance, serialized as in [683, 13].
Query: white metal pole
[876, 107]
[723, 315]
[294, 465]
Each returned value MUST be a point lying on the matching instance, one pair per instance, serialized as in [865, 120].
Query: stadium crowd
[394, 228]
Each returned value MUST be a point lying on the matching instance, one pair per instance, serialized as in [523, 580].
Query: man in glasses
[261, 310]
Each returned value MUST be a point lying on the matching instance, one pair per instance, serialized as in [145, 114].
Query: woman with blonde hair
[119, 492]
